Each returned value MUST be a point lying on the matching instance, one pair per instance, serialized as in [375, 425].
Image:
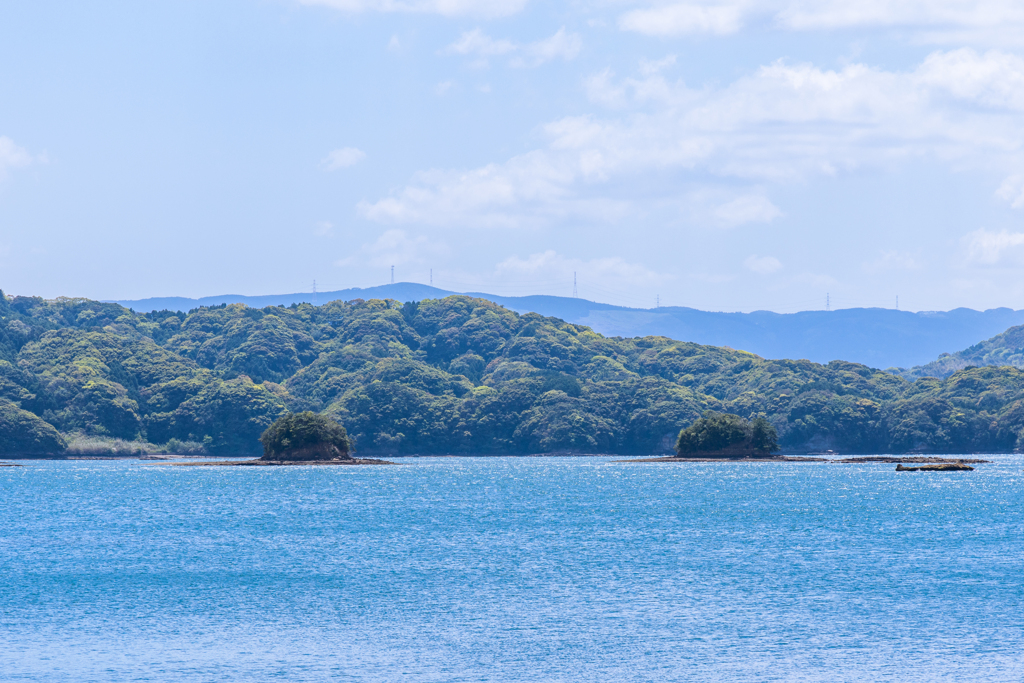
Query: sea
[511, 569]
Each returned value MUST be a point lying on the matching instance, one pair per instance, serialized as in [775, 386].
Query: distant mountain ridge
[877, 337]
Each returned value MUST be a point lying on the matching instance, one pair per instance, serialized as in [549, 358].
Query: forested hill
[1006, 348]
[455, 375]
[879, 337]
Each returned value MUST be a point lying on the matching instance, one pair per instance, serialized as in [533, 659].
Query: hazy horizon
[320, 294]
[722, 156]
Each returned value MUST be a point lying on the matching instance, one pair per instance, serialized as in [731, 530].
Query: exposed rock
[260, 462]
[943, 467]
[320, 453]
[719, 458]
[916, 459]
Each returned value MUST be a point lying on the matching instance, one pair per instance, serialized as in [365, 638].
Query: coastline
[207, 460]
[274, 463]
[864, 460]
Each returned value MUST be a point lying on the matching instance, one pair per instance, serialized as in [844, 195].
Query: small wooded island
[304, 438]
[725, 436]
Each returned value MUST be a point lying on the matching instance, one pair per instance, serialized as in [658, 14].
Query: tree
[763, 436]
[305, 436]
[729, 435]
[23, 434]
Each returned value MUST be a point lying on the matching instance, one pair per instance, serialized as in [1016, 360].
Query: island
[727, 437]
[304, 438]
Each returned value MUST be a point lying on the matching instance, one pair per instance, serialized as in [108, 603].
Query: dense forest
[1006, 349]
[454, 375]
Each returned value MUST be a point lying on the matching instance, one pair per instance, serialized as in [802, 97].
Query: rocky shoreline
[932, 461]
[780, 458]
[260, 462]
[941, 467]
[913, 459]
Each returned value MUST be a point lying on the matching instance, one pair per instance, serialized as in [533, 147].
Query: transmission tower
[392, 275]
[431, 277]
[574, 295]
[314, 292]
[828, 302]
[657, 301]
[897, 302]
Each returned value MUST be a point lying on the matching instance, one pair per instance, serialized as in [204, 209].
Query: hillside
[1003, 349]
[879, 337]
[456, 375]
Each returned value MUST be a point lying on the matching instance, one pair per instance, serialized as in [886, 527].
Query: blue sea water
[511, 569]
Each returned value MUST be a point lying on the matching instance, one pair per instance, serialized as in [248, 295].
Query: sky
[733, 155]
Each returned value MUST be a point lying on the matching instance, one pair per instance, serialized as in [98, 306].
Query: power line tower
[897, 302]
[314, 292]
[431, 277]
[657, 301]
[574, 295]
[828, 302]
[392, 275]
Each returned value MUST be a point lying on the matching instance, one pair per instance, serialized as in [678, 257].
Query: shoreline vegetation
[84, 379]
[652, 458]
[304, 438]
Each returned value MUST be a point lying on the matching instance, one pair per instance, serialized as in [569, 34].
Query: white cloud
[1012, 190]
[994, 22]
[784, 122]
[683, 18]
[323, 229]
[830, 14]
[394, 248]
[450, 8]
[601, 88]
[651, 67]
[12, 156]
[752, 208]
[994, 79]
[443, 87]
[762, 265]
[476, 42]
[597, 278]
[551, 263]
[892, 261]
[988, 248]
[561, 45]
[342, 158]
[526, 191]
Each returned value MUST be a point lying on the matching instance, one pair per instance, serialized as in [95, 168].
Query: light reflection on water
[511, 569]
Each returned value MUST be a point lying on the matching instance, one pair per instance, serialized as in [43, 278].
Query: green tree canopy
[305, 436]
[727, 434]
[24, 434]
[461, 375]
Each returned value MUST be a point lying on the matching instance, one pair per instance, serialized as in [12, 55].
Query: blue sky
[731, 155]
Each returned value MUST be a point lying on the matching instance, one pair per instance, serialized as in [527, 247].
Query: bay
[511, 569]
